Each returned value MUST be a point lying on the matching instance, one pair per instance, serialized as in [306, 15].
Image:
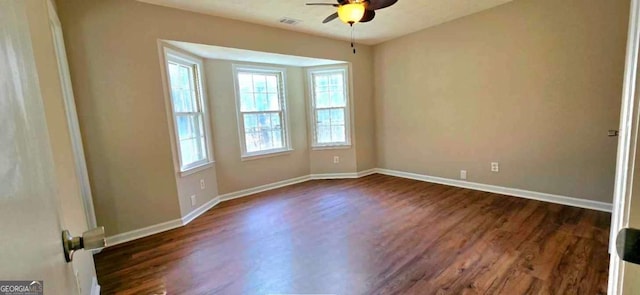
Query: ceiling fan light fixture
[351, 13]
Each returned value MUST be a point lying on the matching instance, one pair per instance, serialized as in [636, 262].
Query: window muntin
[188, 110]
[330, 107]
[261, 110]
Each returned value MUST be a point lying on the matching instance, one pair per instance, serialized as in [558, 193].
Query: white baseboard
[165, 226]
[367, 172]
[333, 176]
[262, 188]
[348, 175]
[557, 199]
[143, 232]
[95, 288]
[161, 227]
[200, 210]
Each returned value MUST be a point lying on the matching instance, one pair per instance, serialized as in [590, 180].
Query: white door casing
[627, 146]
[72, 117]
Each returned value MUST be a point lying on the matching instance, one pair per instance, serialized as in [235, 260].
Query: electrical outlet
[202, 184]
[495, 167]
[463, 174]
[193, 200]
[336, 159]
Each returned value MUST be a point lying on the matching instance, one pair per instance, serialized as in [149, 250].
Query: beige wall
[533, 85]
[113, 56]
[235, 174]
[67, 186]
[189, 183]
[321, 159]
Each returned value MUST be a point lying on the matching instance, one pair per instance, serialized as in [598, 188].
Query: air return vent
[289, 21]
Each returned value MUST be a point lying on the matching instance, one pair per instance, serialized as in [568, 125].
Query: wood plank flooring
[373, 235]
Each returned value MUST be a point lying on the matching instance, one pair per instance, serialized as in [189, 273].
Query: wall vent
[289, 21]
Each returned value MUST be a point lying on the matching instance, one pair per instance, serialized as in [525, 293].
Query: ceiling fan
[354, 11]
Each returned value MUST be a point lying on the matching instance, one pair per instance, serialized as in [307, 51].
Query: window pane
[183, 94]
[337, 98]
[330, 126]
[252, 140]
[323, 117]
[191, 138]
[275, 121]
[186, 102]
[247, 102]
[191, 150]
[330, 100]
[272, 83]
[264, 121]
[263, 131]
[187, 151]
[176, 98]
[259, 92]
[336, 79]
[274, 101]
[184, 77]
[322, 97]
[337, 117]
[188, 114]
[262, 102]
[321, 80]
[259, 83]
[324, 134]
[338, 133]
[185, 127]
[277, 139]
[261, 109]
[245, 82]
[265, 140]
[251, 123]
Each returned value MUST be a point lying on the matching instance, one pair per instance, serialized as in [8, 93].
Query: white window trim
[312, 108]
[244, 155]
[169, 53]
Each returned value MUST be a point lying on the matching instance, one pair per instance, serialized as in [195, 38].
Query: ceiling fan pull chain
[353, 40]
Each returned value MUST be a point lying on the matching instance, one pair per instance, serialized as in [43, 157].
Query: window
[330, 107]
[262, 117]
[188, 109]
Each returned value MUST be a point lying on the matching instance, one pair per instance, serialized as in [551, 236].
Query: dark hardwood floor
[374, 235]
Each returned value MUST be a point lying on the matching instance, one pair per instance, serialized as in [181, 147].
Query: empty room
[319, 147]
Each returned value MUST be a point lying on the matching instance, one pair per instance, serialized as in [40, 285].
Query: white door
[623, 276]
[30, 223]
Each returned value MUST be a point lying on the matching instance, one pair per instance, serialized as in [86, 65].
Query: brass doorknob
[90, 240]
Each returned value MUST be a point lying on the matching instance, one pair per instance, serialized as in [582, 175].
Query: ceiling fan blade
[380, 4]
[324, 4]
[368, 16]
[330, 18]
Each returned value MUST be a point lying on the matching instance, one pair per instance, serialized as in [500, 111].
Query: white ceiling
[406, 16]
[226, 53]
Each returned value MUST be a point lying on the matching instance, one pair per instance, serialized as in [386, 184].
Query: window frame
[313, 124]
[282, 86]
[197, 65]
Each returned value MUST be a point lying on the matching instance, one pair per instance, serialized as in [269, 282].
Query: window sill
[331, 147]
[266, 155]
[196, 169]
